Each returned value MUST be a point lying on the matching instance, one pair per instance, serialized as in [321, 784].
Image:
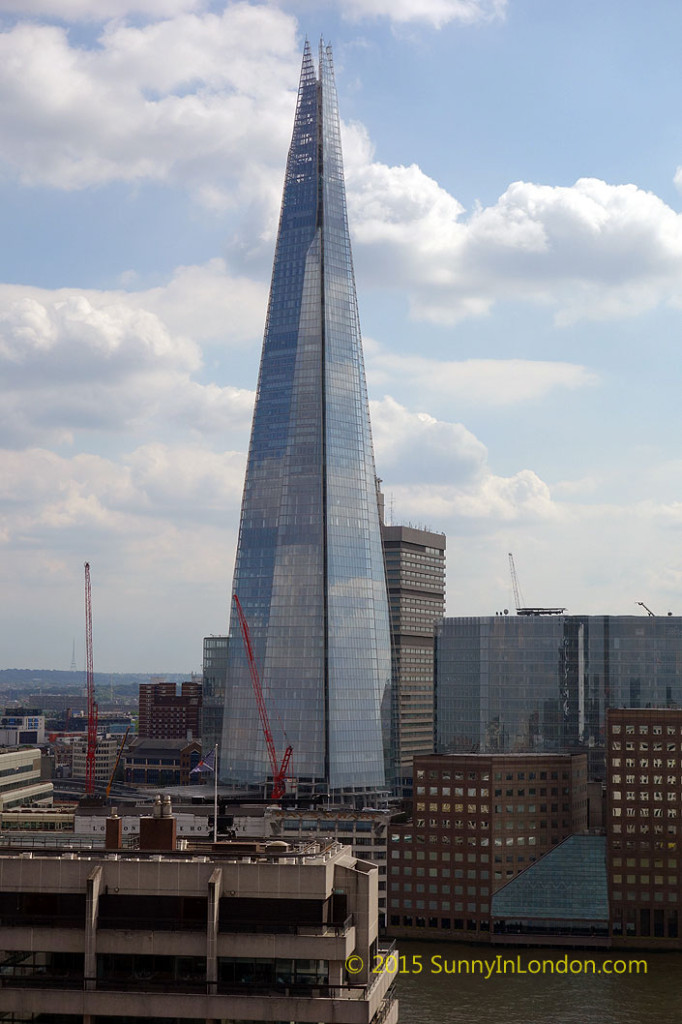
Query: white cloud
[434, 12]
[98, 10]
[439, 471]
[204, 101]
[591, 250]
[491, 382]
[74, 363]
[203, 302]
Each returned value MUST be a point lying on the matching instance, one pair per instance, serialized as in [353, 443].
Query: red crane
[90, 691]
[279, 773]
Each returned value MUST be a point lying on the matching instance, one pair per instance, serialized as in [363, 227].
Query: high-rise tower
[309, 571]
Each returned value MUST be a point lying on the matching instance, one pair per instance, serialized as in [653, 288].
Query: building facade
[309, 570]
[21, 782]
[364, 831]
[213, 682]
[544, 682]
[415, 575]
[161, 762]
[478, 822]
[166, 714]
[643, 830]
[22, 726]
[258, 933]
[106, 753]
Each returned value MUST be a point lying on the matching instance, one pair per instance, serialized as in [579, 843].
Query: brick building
[644, 812]
[478, 821]
[166, 714]
[160, 762]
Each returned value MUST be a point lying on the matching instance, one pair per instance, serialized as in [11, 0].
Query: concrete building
[415, 575]
[21, 727]
[365, 832]
[643, 829]
[479, 820]
[20, 779]
[543, 682]
[249, 932]
[166, 714]
[106, 753]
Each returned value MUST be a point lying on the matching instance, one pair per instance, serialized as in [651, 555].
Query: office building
[644, 815]
[166, 714]
[309, 569]
[245, 932]
[21, 781]
[106, 753]
[543, 682]
[22, 726]
[479, 820]
[213, 681]
[364, 831]
[161, 762]
[415, 575]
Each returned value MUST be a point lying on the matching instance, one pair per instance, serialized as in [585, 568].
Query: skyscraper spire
[309, 571]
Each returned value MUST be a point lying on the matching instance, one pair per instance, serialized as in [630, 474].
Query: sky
[514, 182]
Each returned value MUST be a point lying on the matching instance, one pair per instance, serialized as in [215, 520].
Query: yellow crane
[118, 758]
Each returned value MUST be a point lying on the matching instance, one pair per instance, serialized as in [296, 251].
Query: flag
[207, 764]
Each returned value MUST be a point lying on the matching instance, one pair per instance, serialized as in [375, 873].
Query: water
[431, 998]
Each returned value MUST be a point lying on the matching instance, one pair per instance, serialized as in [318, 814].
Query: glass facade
[309, 572]
[564, 891]
[543, 683]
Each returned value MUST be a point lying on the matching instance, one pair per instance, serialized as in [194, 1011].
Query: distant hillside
[53, 679]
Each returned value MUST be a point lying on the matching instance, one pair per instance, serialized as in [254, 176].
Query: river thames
[434, 997]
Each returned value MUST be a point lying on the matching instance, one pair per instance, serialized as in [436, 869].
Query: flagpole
[215, 794]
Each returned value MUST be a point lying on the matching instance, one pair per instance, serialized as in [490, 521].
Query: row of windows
[472, 907]
[643, 762]
[644, 746]
[643, 730]
[446, 923]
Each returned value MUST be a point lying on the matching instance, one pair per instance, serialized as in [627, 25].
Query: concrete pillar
[214, 888]
[94, 885]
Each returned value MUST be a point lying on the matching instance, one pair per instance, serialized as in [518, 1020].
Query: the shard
[309, 571]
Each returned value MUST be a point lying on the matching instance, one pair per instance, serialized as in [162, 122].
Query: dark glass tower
[309, 571]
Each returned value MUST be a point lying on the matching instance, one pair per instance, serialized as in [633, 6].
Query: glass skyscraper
[527, 683]
[309, 572]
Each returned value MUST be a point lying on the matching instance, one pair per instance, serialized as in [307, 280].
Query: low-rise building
[364, 831]
[160, 763]
[106, 753]
[20, 778]
[249, 932]
[21, 727]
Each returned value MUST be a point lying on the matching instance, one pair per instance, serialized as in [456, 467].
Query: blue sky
[514, 192]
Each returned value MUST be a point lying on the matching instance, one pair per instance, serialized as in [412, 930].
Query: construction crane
[522, 609]
[116, 763]
[647, 610]
[518, 600]
[279, 772]
[90, 691]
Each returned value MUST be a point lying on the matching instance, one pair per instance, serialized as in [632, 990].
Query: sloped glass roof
[567, 884]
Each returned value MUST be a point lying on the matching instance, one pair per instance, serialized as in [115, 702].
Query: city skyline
[513, 187]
